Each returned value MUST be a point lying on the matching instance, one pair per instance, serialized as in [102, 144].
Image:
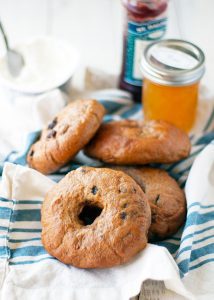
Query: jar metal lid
[173, 62]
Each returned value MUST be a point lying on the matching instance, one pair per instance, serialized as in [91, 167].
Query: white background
[95, 26]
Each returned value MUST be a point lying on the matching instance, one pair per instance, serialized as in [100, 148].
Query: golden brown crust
[114, 237]
[138, 142]
[166, 199]
[69, 132]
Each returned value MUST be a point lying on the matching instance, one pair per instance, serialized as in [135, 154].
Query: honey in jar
[172, 70]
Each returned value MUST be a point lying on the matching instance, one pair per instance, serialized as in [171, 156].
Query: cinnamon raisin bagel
[95, 218]
[167, 200]
[68, 133]
[130, 142]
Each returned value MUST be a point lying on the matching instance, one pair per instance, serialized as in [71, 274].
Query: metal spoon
[15, 60]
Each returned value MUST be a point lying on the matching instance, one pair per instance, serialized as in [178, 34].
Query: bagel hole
[89, 214]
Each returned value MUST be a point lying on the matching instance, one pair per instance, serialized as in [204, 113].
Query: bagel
[166, 199]
[130, 142]
[95, 218]
[68, 133]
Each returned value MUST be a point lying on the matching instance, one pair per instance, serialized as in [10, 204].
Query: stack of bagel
[102, 217]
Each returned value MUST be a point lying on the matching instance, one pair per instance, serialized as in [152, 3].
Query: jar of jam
[172, 70]
[145, 22]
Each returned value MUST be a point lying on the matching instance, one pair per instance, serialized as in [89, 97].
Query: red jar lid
[146, 8]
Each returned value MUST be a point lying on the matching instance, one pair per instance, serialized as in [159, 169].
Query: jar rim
[173, 62]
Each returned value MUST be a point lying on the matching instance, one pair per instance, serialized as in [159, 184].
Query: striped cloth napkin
[192, 247]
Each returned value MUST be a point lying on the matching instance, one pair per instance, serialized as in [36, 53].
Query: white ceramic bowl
[65, 57]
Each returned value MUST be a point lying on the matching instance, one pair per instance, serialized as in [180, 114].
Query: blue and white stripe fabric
[20, 231]
[27, 271]
[192, 247]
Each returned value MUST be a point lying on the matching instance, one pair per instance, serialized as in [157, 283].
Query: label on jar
[138, 37]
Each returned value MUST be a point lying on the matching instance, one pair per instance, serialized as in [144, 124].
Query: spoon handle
[4, 36]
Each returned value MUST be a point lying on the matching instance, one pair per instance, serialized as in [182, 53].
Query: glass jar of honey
[172, 70]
